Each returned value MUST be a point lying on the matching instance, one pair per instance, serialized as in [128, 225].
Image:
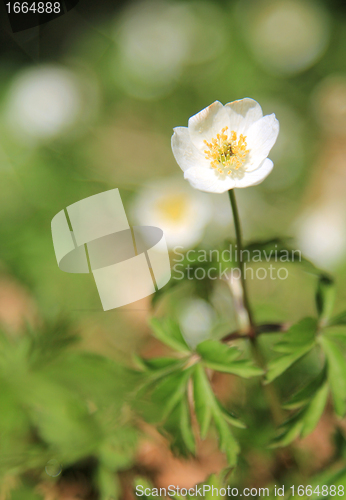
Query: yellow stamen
[225, 152]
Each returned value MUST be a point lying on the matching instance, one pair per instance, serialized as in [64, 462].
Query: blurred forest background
[88, 103]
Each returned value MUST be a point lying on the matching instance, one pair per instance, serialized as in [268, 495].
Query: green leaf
[291, 429]
[305, 420]
[298, 341]
[169, 333]
[170, 391]
[227, 442]
[156, 364]
[207, 407]
[303, 395]
[299, 335]
[279, 365]
[231, 419]
[339, 319]
[243, 368]
[222, 358]
[178, 424]
[314, 410]
[336, 374]
[217, 352]
[203, 399]
[325, 296]
[185, 425]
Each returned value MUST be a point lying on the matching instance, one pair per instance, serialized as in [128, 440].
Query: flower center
[226, 152]
[173, 207]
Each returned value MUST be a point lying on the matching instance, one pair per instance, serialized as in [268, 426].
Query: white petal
[205, 124]
[206, 179]
[185, 153]
[242, 114]
[260, 139]
[256, 176]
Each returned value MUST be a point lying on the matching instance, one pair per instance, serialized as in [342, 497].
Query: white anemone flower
[226, 147]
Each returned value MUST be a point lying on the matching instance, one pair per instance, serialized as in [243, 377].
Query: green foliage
[312, 398]
[76, 404]
[178, 425]
[303, 395]
[207, 409]
[339, 319]
[169, 333]
[62, 403]
[167, 386]
[169, 391]
[297, 342]
[305, 420]
[336, 374]
[223, 358]
[307, 404]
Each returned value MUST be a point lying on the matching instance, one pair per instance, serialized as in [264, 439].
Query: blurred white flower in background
[174, 207]
[156, 39]
[329, 104]
[196, 319]
[44, 102]
[321, 234]
[286, 36]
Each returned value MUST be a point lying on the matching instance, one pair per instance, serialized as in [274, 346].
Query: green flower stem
[238, 234]
[269, 389]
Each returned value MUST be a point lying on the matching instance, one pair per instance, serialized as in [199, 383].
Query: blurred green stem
[269, 390]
